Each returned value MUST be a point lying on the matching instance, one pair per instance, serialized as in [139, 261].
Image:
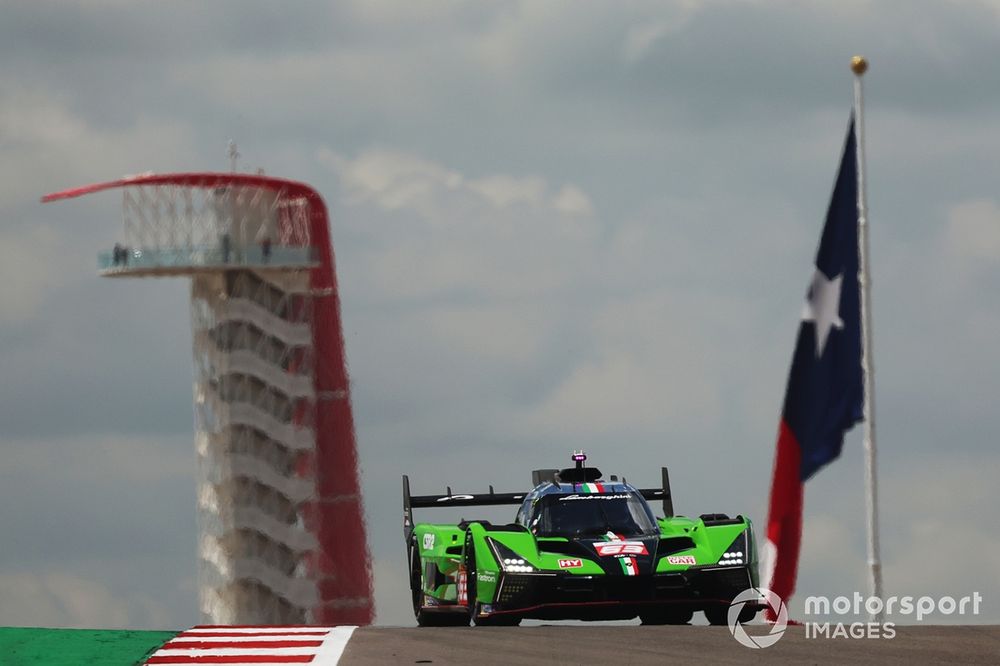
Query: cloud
[503, 190]
[974, 230]
[29, 259]
[571, 200]
[49, 146]
[495, 235]
[932, 540]
[941, 552]
[104, 531]
[553, 223]
[63, 599]
[634, 378]
[642, 37]
[394, 180]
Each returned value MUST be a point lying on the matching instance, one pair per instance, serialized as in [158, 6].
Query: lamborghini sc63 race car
[579, 548]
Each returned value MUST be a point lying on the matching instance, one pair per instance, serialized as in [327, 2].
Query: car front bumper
[553, 596]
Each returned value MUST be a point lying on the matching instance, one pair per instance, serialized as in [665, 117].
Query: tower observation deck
[281, 523]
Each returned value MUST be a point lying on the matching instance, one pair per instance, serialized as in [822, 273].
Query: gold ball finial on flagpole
[859, 65]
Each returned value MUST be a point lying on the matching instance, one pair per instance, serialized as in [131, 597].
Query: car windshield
[625, 514]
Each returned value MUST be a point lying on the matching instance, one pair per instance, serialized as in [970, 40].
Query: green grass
[72, 647]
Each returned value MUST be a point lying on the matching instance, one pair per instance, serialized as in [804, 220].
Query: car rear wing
[450, 499]
[662, 493]
[493, 498]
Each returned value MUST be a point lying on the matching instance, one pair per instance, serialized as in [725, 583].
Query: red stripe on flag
[784, 516]
[600, 487]
[233, 659]
[211, 645]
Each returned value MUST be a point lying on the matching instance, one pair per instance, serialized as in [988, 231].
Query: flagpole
[859, 66]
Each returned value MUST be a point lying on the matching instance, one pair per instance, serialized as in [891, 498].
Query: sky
[558, 225]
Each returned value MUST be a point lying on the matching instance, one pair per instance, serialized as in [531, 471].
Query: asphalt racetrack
[621, 645]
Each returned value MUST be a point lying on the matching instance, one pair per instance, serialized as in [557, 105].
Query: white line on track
[219, 629]
[233, 652]
[270, 638]
[333, 646]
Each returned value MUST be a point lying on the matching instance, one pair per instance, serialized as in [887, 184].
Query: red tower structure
[281, 520]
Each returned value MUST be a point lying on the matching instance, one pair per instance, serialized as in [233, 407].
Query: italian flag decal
[592, 488]
[629, 566]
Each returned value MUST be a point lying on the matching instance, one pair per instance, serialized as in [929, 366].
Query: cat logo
[681, 559]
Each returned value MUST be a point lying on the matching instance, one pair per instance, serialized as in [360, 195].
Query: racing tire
[719, 615]
[667, 616]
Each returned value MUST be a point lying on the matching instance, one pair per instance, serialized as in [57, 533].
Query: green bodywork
[445, 547]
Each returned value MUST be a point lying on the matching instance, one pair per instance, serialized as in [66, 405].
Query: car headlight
[510, 561]
[737, 554]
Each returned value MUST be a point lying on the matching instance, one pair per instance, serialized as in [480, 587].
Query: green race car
[580, 548]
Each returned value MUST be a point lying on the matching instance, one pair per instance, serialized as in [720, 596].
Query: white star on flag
[823, 307]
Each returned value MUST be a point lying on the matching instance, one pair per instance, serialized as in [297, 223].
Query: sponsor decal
[629, 566]
[448, 498]
[428, 541]
[486, 577]
[570, 564]
[681, 559]
[613, 548]
[617, 496]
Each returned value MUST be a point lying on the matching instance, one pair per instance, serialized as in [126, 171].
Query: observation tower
[281, 523]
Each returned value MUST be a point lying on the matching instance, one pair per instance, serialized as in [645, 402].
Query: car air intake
[674, 544]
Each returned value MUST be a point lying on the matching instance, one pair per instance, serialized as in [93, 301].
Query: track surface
[618, 646]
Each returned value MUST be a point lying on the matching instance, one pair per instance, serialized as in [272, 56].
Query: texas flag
[825, 386]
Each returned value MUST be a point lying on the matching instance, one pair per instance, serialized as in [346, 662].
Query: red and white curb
[259, 646]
